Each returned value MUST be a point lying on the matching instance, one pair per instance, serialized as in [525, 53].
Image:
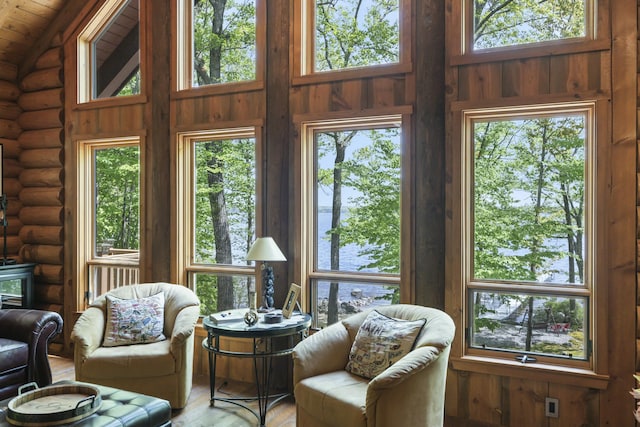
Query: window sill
[533, 371]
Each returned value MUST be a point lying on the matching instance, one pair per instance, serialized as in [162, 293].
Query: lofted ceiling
[28, 26]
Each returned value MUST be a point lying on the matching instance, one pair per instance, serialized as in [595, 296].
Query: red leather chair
[25, 335]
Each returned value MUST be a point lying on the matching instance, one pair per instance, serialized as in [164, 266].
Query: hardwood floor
[198, 412]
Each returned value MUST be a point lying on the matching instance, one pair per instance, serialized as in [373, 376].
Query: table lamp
[265, 249]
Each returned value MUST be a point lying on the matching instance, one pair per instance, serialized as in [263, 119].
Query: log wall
[39, 182]
[10, 130]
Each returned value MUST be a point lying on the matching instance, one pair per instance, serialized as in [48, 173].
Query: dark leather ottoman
[119, 408]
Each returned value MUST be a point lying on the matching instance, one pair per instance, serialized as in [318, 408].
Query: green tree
[224, 51]
[350, 33]
[499, 23]
[117, 184]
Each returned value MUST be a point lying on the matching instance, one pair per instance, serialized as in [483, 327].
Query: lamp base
[8, 261]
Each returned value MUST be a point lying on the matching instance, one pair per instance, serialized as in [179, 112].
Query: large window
[219, 42]
[354, 204]
[109, 214]
[497, 24]
[109, 52]
[351, 34]
[218, 185]
[529, 240]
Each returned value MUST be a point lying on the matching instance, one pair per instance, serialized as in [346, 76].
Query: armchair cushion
[380, 342]
[134, 321]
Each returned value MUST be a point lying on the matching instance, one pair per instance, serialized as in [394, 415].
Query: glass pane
[116, 55]
[357, 207]
[221, 292]
[224, 194]
[337, 300]
[224, 41]
[11, 287]
[117, 202]
[529, 200]
[356, 33]
[498, 23]
[525, 323]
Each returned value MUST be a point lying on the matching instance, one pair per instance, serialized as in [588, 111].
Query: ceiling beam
[63, 19]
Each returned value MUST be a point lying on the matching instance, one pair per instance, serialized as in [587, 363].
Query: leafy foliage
[500, 23]
[117, 198]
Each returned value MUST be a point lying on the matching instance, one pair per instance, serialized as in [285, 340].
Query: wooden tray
[53, 405]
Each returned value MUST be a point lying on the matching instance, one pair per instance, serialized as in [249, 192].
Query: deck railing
[119, 267]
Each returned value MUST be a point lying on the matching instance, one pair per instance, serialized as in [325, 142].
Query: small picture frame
[290, 301]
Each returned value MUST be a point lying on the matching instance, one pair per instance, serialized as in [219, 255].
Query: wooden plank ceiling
[22, 22]
[28, 26]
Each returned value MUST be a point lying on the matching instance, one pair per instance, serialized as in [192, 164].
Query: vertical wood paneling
[525, 77]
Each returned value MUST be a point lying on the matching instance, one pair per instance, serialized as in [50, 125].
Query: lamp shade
[265, 249]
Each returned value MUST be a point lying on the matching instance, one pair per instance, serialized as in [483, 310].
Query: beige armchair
[162, 369]
[408, 393]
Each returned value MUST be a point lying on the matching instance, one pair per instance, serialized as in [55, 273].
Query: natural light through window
[220, 215]
[356, 216]
[529, 233]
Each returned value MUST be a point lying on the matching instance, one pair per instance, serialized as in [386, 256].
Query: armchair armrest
[322, 352]
[36, 328]
[412, 363]
[183, 328]
[417, 380]
[88, 332]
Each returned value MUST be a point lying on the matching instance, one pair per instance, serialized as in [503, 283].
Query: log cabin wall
[496, 396]
[42, 178]
[9, 133]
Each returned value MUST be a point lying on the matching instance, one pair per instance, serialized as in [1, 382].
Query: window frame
[182, 48]
[85, 230]
[595, 374]
[461, 50]
[187, 268]
[85, 66]
[303, 42]
[307, 273]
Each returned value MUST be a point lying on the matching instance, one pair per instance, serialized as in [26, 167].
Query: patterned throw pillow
[380, 342]
[134, 321]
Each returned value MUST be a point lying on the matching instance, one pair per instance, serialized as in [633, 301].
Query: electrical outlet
[551, 407]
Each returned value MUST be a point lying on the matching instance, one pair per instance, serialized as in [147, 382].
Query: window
[109, 214]
[109, 52]
[219, 42]
[353, 229]
[218, 183]
[497, 24]
[528, 236]
[343, 35]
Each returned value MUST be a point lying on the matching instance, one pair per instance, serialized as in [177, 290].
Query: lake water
[350, 260]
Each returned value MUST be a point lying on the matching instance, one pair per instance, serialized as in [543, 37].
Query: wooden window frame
[85, 210]
[182, 16]
[307, 274]
[85, 68]
[461, 28]
[302, 48]
[593, 373]
[186, 266]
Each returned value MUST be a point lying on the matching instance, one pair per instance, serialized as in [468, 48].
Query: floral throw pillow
[380, 342]
[134, 321]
